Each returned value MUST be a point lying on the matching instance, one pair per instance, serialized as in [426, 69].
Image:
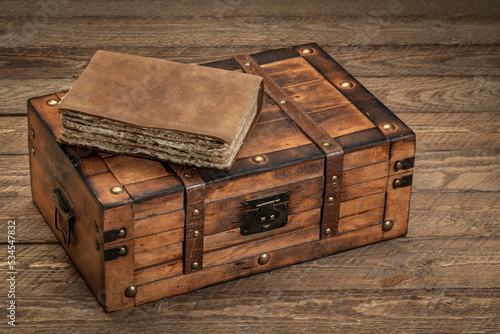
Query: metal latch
[265, 214]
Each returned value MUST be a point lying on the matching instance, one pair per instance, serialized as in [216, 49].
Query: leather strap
[194, 200]
[333, 151]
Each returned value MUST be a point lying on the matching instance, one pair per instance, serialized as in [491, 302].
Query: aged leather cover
[176, 112]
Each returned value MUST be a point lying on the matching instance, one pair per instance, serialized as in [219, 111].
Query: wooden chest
[327, 168]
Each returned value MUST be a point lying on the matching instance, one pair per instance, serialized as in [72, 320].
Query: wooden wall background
[435, 64]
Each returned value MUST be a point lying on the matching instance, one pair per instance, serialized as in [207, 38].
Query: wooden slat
[347, 30]
[221, 190]
[145, 257]
[159, 223]
[366, 157]
[159, 205]
[374, 61]
[236, 253]
[361, 220]
[91, 166]
[159, 239]
[129, 170]
[365, 174]
[362, 204]
[363, 189]
[233, 237]
[155, 273]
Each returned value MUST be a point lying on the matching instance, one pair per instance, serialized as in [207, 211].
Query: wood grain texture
[435, 65]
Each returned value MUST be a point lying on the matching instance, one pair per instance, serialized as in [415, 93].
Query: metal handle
[66, 212]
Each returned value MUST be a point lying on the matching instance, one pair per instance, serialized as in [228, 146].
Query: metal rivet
[247, 63]
[196, 234]
[258, 159]
[325, 143]
[387, 225]
[52, 102]
[388, 127]
[97, 245]
[33, 150]
[131, 291]
[188, 175]
[335, 179]
[116, 190]
[346, 84]
[263, 219]
[283, 101]
[263, 259]
[397, 183]
[96, 227]
[32, 133]
[195, 213]
[328, 231]
[122, 233]
[122, 251]
[330, 200]
[399, 165]
[306, 51]
[195, 265]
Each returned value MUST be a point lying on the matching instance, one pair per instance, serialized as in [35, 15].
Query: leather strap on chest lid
[194, 199]
[334, 154]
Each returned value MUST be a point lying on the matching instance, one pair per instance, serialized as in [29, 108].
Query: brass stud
[335, 179]
[97, 245]
[131, 291]
[188, 175]
[330, 200]
[388, 127]
[195, 265]
[32, 133]
[328, 231]
[247, 63]
[387, 225]
[116, 190]
[398, 165]
[258, 159]
[122, 233]
[52, 102]
[306, 51]
[196, 234]
[283, 101]
[346, 84]
[96, 227]
[195, 213]
[397, 183]
[326, 144]
[33, 150]
[122, 251]
[263, 259]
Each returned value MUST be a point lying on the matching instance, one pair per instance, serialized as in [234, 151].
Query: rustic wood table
[436, 65]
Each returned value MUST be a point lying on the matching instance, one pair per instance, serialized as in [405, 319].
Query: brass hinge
[405, 181]
[114, 253]
[113, 235]
[407, 163]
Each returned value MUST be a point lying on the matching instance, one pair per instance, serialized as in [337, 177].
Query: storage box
[327, 168]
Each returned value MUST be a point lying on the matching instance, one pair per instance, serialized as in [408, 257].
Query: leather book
[169, 111]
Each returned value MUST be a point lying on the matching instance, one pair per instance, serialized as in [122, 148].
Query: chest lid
[328, 94]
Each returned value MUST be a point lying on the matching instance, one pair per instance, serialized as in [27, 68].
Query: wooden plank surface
[436, 65]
